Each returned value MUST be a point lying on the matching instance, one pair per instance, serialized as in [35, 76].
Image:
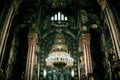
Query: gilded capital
[85, 39]
[32, 37]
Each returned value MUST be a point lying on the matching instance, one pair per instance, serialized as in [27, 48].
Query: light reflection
[66, 18]
[72, 73]
[62, 17]
[52, 18]
[44, 73]
[59, 15]
[55, 17]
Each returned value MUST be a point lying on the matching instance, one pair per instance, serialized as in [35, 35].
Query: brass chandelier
[59, 56]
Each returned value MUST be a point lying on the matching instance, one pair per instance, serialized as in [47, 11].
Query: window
[59, 17]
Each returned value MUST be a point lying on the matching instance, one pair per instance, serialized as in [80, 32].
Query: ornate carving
[115, 64]
[83, 16]
[115, 68]
[86, 39]
[111, 55]
[32, 37]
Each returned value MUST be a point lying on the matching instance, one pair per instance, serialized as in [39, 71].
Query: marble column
[87, 53]
[112, 25]
[32, 39]
[113, 31]
[6, 27]
[5, 32]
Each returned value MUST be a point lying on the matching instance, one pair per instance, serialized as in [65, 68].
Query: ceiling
[65, 5]
[70, 4]
[49, 7]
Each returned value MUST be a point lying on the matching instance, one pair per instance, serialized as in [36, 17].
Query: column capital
[102, 3]
[86, 39]
[32, 37]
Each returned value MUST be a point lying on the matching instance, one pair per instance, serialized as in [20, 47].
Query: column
[6, 27]
[87, 53]
[5, 32]
[113, 31]
[32, 39]
[110, 21]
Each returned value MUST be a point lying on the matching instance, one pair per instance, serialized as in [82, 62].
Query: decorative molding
[83, 16]
[86, 39]
[115, 64]
[32, 37]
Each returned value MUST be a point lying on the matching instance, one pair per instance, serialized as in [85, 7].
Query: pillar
[113, 31]
[87, 54]
[113, 28]
[6, 27]
[32, 39]
[5, 32]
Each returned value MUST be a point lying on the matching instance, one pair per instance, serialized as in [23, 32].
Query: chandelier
[59, 56]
